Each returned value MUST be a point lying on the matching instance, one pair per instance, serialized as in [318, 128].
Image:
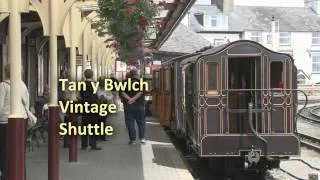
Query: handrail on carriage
[267, 89]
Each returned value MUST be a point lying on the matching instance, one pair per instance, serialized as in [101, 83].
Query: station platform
[156, 160]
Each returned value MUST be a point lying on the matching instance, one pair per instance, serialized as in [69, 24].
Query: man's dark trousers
[135, 112]
[86, 120]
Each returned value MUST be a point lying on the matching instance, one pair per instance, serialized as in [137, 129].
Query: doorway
[244, 82]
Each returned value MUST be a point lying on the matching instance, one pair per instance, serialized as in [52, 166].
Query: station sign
[156, 63]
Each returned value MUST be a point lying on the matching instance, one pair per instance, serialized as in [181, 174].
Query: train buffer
[156, 160]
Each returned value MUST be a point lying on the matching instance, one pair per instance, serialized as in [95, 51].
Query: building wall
[278, 3]
[301, 42]
[301, 48]
[215, 38]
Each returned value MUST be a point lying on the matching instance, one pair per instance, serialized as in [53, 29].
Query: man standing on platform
[91, 98]
[4, 115]
[135, 110]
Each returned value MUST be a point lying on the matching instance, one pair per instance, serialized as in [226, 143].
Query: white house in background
[296, 28]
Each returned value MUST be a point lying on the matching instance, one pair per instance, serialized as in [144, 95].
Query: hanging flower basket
[128, 12]
[143, 23]
[130, 1]
[127, 21]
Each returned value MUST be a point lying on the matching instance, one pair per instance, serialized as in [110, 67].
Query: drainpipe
[273, 33]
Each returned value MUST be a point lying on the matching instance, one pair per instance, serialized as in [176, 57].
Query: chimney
[224, 5]
[199, 17]
[274, 35]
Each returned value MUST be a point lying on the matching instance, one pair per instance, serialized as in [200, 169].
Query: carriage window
[167, 79]
[161, 80]
[276, 75]
[211, 73]
[156, 80]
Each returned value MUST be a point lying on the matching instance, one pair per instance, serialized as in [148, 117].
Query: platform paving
[156, 160]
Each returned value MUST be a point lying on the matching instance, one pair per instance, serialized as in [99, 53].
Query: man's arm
[2, 94]
[137, 96]
[125, 95]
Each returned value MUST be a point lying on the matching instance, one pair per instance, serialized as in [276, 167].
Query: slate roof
[251, 18]
[184, 40]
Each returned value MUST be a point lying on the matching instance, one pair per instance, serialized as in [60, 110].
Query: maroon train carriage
[235, 104]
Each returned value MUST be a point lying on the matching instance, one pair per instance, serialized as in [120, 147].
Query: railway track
[285, 173]
[201, 171]
[310, 142]
[311, 114]
[315, 112]
[311, 101]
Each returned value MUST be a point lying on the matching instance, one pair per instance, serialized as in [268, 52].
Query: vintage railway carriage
[236, 100]
[155, 92]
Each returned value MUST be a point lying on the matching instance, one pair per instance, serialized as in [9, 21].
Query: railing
[311, 90]
[258, 98]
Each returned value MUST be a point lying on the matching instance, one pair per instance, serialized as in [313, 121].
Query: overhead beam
[175, 18]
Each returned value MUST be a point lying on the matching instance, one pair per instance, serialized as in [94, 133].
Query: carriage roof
[251, 47]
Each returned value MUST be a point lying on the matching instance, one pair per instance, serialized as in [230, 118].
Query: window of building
[316, 38]
[256, 36]
[285, 38]
[213, 21]
[316, 62]
[212, 77]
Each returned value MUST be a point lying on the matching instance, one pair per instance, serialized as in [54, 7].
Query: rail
[310, 141]
[315, 112]
[310, 89]
[311, 114]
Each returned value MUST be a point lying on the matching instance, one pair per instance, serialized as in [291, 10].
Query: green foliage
[126, 21]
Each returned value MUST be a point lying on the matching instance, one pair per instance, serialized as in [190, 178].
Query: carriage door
[274, 99]
[244, 84]
[210, 99]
